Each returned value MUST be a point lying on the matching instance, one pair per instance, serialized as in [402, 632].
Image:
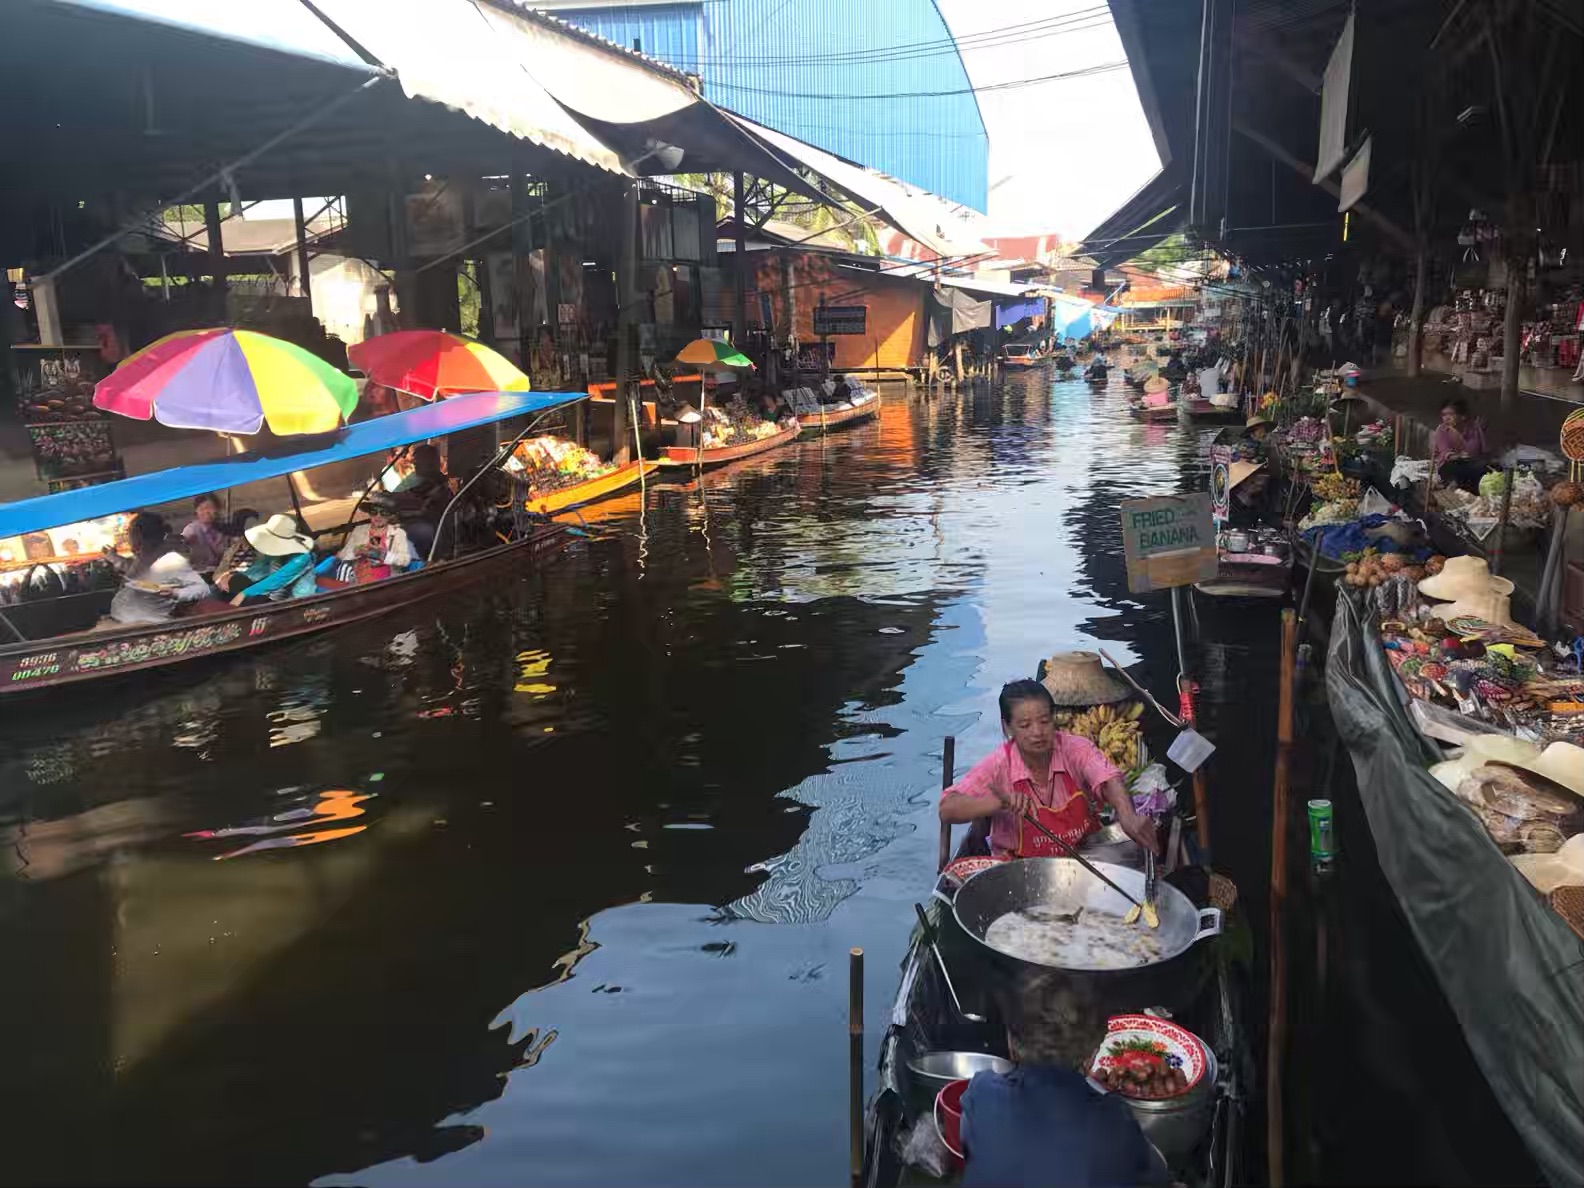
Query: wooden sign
[1169, 541]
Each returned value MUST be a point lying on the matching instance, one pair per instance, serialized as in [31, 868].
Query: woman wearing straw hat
[283, 568]
[1258, 427]
[1249, 503]
[1044, 773]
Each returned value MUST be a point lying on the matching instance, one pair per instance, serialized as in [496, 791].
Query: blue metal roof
[805, 67]
[366, 437]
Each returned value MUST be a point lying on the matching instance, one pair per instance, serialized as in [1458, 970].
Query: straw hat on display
[1078, 678]
[278, 537]
[1561, 763]
[1155, 385]
[1239, 471]
[1463, 577]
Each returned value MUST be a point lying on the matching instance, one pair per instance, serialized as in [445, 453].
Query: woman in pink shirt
[1458, 446]
[1056, 777]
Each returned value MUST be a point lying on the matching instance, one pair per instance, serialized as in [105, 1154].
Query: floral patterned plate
[1130, 1038]
[965, 868]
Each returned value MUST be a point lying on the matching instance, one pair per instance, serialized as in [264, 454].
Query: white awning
[991, 288]
[918, 218]
[474, 59]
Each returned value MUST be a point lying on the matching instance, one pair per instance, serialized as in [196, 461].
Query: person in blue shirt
[282, 569]
[1045, 1124]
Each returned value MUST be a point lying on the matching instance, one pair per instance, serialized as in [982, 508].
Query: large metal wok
[1063, 885]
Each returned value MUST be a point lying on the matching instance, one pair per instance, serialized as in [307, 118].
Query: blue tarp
[304, 453]
[1010, 313]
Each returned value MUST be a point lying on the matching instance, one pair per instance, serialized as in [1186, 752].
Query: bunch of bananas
[1112, 728]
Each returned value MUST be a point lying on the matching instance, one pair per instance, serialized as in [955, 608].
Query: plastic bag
[1407, 471]
[1152, 791]
[924, 1149]
[1374, 504]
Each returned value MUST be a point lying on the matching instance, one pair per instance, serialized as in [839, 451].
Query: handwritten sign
[1169, 541]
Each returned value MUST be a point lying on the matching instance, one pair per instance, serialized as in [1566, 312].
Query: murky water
[554, 882]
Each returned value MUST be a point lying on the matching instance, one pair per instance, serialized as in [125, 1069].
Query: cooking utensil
[1073, 853]
[936, 1070]
[1171, 980]
[940, 962]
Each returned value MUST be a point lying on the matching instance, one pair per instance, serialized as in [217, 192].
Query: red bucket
[948, 1119]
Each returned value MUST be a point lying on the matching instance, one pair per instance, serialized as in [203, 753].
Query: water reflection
[602, 832]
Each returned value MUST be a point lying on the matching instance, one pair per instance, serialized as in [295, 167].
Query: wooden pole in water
[948, 763]
[855, 1060]
[1277, 1030]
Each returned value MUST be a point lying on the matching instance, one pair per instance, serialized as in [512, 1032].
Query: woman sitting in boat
[377, 548]
[282, 569]
[1253, 501]
[206, 536]
[1046, 1122]
[157, 577]
[1040, 771]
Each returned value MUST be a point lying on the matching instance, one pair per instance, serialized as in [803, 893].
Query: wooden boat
[678, 456]
[1201, 409]
[40, 659]
[835, 416]
[1249, 575]
[1021, 355]
[591, 490]
[1157, 412]
[923, 1020]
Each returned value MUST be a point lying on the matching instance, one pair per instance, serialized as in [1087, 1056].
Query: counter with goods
[1464, 730]
[731, 432]
[56, 581]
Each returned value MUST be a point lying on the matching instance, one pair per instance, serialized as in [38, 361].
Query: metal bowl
[1175, 1125]
[939, 1069]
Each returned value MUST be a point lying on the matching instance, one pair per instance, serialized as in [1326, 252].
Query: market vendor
[1057, 777]
[1258, 427]
[1046, 1122]
[1458, 446]
[1253, 500]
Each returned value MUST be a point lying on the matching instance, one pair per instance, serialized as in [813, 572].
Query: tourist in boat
[1058, 778]
[422, 497]
[1458, 446]
[377, 548]
[283, 567]
[840, 393]
[207, 539]
[157, 578]
[1045, 1122]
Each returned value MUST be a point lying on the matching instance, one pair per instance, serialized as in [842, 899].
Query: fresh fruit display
[735, 424]
[1371, 568]
[1567, 493]
[1112, 728]
[1332, 487]
[553, 464]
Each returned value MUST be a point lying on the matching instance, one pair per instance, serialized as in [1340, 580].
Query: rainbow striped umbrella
[231, 381]
[430, 364]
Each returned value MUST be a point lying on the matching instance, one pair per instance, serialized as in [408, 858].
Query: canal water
[554, 881]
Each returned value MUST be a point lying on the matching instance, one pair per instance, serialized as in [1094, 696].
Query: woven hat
[278, 537]
[1464, 577]
[1493, 606]
[1078, 678]
[1564, 867]
[1156, 384]
[1256, 421]
[1239, 471]
[1561, 763]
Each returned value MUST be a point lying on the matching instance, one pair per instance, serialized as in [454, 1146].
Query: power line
[1085, 72]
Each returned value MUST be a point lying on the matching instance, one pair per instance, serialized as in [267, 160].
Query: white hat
[1078, 678]
[1464, 577]
[278, 537]
[1563, 868]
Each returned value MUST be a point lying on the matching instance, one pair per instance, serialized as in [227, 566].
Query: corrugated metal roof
[804, 68]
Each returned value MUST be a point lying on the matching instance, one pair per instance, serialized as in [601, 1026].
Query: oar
[1089, 866]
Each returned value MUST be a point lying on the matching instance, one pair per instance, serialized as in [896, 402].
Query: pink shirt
[1003, 769]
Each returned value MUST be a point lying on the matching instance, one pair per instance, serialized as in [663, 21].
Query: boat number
[257, 626]
[31, 667]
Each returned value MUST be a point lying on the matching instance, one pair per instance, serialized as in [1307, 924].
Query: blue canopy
[304, 453]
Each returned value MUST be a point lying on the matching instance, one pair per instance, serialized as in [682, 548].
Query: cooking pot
[1176, 1124]
[1063, 885]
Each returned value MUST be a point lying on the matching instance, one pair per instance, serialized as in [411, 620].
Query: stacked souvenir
[553, 464]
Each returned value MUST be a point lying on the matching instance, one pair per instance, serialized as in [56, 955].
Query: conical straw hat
[1078, 678]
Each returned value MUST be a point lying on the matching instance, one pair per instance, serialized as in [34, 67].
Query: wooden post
[740, 262]
[948, 764]
[1501, 523]
[522, 270]
[855, 963]
[627, 275]
[217, 260]
[1512, 327]
[1277, 1030]
[304, 278]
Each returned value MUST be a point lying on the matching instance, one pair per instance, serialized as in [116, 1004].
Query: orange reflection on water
[333, 804]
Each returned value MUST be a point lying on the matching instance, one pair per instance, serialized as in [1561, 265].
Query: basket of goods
[549, 464]
[1332, 487]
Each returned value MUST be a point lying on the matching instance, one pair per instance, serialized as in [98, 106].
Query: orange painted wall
[896, 308]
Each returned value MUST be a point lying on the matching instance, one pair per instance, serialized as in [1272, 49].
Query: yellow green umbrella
[711, 352]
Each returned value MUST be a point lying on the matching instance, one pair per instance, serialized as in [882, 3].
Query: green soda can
[1322, 835]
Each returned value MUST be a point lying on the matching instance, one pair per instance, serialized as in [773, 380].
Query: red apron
[1073, 822]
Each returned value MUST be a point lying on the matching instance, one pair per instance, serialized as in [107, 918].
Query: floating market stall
[728, 433]
[1483, 844]
[561, 474]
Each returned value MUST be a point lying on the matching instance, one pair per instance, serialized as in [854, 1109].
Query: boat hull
[679, 456]
[594, 489]
[814, 424]
[44, 664]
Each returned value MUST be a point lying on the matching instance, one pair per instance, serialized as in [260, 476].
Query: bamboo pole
[855, 962]
[1277, 1029]
[948, 764]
